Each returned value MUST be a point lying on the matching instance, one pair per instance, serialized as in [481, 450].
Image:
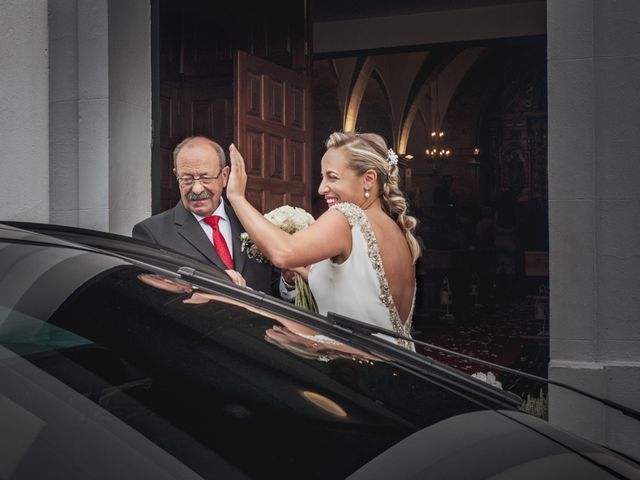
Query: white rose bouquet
[291, 220]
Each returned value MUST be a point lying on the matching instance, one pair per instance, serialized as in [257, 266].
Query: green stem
[304, 297]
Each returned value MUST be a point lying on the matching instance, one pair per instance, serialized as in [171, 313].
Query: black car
[118, 360]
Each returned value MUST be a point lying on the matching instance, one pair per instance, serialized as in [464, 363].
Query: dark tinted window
[226, 388]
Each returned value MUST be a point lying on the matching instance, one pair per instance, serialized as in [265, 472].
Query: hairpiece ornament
[392, 158]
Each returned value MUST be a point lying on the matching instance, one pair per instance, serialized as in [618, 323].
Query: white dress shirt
[223, 224]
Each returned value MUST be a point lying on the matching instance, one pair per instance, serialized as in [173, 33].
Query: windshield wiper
[356, 326]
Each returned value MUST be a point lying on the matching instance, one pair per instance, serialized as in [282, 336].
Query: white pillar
[63, 111]
[100, 113]
[129, 114]
[24, 137]
[79, 113]
[594, 214]
[93, 114]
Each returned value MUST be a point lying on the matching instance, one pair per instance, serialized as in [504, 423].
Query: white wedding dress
[358, 287]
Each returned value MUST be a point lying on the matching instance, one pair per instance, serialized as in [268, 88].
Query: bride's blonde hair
[368, 151]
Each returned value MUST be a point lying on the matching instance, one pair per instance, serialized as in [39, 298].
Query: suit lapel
[239, 257]
[189, 229]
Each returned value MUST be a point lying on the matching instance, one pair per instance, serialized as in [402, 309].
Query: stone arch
[435, 61]
[414, 107]
[376, 111]
[359, 83]
[452, 66]
[417, 138]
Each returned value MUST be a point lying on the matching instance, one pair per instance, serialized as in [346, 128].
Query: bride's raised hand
[237, 183]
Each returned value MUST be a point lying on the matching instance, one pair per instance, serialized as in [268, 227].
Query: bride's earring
[366, 193]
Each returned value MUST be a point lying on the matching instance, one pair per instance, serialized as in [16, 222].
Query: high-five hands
[237, 182]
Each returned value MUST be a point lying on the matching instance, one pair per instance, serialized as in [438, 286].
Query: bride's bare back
[396, 259]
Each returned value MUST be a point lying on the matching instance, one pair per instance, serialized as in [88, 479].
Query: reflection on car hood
[12, 233]
[131, 248]
[221, 378]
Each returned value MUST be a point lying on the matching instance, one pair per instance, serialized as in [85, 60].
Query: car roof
[455, 386]
[133, 250]
[130, 247]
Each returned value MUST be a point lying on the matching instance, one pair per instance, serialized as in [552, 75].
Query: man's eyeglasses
[188, 180]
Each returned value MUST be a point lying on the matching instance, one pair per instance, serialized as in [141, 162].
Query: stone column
[129, 114]
[79, 113]
[63, 111]
[594, 214]
[93, 114]
[24, 136]
[100, 118]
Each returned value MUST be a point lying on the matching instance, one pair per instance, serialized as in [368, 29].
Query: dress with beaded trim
[358, 287]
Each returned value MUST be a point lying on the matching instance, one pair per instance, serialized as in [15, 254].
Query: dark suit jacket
[179, 230]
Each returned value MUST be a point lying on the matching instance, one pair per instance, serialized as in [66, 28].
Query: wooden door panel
[254, 94]
[297, 117]
[165, 115]
[202, 117]
[255, 196]
[275, 102]
[169, 121]
[297, 200]
[276, 158]
[166, 178]
[263, 195]
[253, 155]
[273, 131]
[297, 164]
[223, 118]
[275, 199]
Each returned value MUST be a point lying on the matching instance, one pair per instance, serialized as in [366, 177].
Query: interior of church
[468, 119]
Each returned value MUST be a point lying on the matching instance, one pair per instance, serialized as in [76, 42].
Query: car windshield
[220, 387]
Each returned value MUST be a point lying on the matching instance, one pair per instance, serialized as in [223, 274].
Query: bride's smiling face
[339, 182]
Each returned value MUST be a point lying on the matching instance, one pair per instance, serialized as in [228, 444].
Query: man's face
[199, 159]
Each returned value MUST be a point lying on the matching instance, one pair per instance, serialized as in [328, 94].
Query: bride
[362, 250]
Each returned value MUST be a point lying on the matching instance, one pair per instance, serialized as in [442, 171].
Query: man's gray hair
[219, 150]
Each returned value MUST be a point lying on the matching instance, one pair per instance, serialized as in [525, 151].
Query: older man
[202, 225]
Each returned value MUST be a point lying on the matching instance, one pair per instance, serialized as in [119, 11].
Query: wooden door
[272, 117]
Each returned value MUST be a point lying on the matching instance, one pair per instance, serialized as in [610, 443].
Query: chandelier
[438, 148]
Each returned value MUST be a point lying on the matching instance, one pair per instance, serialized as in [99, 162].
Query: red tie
[219, 241]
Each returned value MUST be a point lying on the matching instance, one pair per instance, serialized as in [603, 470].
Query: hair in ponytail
[368, 151]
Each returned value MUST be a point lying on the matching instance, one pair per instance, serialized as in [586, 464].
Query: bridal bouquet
[291, 220]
